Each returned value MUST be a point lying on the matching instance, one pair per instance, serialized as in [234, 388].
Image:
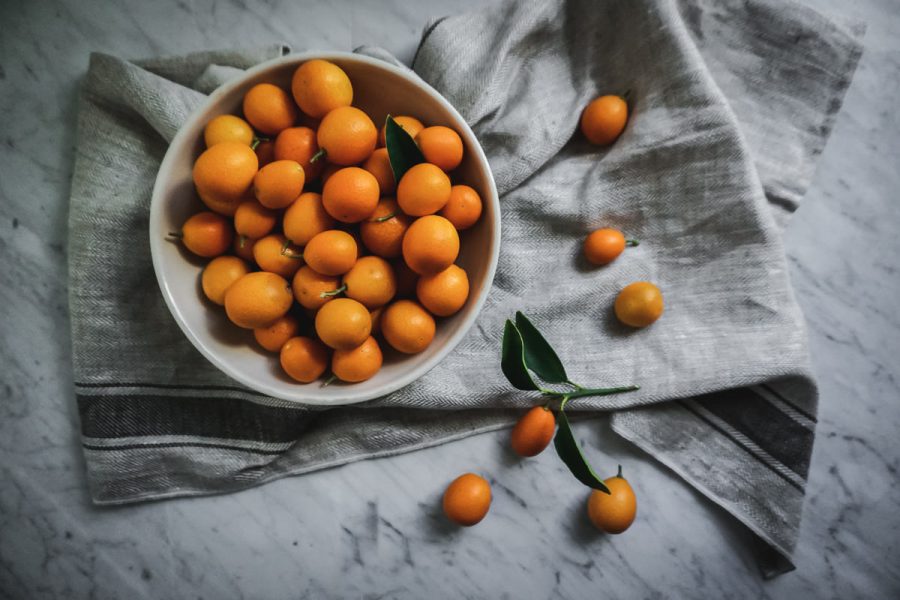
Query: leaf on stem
[539, 354]
[401, 147]
[570, 452]
[512, 361]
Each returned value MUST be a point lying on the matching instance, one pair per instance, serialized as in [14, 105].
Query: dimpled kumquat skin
[253, 220]
[430, 245]
[332, 252]
[206, 234]
[343, 324]
[257, 299]
[320, 86]
[533, 432]
[423, 190]
[603, 246]
[444, 293]
[223, 175]
[277, 333]
[350, 195]
[275, 254]
[269, 108]
[407, 326]
[306, 218]
[371, 282]
[309, 287]
[467, 499]
[299, 145]
[441, 146]
[347, 135]
[463, 209]
[304, 359]
[219, 274]
[613, 512]
[379, 165]
[357, 364]
[382, 233]
[227, 128]
[279, 183]
[410, 125]
[604, 119]
[639, 304]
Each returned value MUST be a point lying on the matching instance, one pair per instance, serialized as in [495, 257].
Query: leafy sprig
[402, 149]
[526, 352]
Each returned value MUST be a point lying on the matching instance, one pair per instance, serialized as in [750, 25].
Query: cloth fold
[731, 104]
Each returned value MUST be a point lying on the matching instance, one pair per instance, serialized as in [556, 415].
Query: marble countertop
[371, 529]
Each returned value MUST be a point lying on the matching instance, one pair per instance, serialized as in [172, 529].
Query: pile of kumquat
[326, 236]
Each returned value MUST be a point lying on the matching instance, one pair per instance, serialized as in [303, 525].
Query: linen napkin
[731, 104]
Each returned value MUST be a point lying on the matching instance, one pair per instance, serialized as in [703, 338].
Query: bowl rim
[354, 393]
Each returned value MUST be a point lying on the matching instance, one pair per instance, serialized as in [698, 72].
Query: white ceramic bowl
[378, 88]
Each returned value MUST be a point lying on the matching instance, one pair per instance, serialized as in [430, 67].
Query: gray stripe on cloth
[689, 177]
[764, 423]
[196, 466]
[742, 440]
[786, 408]
[121, 442]
[722, 471]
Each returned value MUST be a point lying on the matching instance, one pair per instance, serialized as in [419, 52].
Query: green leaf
[539, 354]
[570, 452]
[512, 360]
[402, 149]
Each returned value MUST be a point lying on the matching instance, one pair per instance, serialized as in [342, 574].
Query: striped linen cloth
[732, 103]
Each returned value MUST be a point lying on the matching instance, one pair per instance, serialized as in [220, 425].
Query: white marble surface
[373, 529]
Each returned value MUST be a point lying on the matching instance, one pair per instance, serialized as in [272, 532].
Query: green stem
[175, 236]
[333, 292]
[601, 391]
[581, 392]
[242, 241]
[256, 141]
[619, 474]
[329, 380]
[322, 153]
[386, 217]
[285, 253]
[632, 243]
